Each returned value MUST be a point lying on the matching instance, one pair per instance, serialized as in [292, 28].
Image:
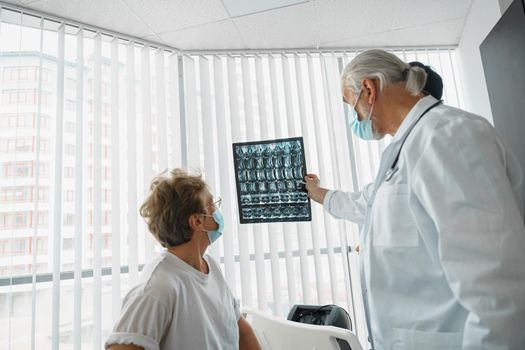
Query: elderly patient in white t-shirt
[182, 300]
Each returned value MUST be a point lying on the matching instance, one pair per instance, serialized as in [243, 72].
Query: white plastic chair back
[277, 334]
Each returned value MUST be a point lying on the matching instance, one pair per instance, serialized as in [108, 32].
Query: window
[69, 196]
[70, 127]
[20, 96]
[69, 172]
[17, 169]
[5, 247]
[69, 219]
[44, 146]
[21, 220]
[43, 194]
[68, 243]
[19, 246]
[42, 219]
[15, 194]
[43, 169]
[71, 84]
[21, 73]
[41, 245]
[69, 150]
[71, 105]
[20, 120]
[17, 145]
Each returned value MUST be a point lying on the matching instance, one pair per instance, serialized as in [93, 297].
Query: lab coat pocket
[415, 339]
[393, 224]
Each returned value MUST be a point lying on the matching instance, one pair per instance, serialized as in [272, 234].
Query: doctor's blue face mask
[363, 128]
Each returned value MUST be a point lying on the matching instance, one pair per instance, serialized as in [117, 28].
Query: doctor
[443, 240]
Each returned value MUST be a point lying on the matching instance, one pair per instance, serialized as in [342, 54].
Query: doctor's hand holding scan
[442, 232]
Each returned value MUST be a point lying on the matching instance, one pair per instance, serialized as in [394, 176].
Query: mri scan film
[270, 181]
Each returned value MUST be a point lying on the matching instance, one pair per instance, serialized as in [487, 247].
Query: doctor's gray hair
[386, 68]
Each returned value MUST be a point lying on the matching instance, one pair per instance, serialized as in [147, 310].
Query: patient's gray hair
[386, 68]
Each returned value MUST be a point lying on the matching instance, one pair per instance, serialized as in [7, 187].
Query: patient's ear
[195, 221]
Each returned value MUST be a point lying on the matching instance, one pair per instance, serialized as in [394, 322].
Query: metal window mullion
[193, 149]
[79, 185]
[454, 78]
[209, 145]
[353, 271]
[339, 152]
[266, 229]
[115, 181]
[320, 284]
[328, 223]
[304, 229]
[131, 118]
[147, 144]
[275, 229]
[175, 117]
[225, 175]
[290, 229]
[37, 185]
[347, 168]
[97, 193]
[57, 207]
[256, 231]
[162, 122]
[246, 276]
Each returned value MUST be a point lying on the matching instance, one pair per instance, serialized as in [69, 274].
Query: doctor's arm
[461, 182]
[342, 205]
[247, 338]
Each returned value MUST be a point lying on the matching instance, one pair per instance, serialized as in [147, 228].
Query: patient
[182, 300]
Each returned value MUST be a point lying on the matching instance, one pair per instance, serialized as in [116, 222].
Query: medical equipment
[394, 168]
[327, 315]
[275, 333]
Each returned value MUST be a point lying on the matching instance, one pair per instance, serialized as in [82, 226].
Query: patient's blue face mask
[219, 219]
[362, 129]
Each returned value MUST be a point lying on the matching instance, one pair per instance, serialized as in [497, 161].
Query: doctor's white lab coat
[443, 242]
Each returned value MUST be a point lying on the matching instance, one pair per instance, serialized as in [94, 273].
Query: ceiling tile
[14, 2]
[282, 28]
[170, 15]
[411, 13]
[213, 36]
[237, 8]
[29, 2]
[111, 15]
[340, 19]
[205, 24]
[425, 35]
[366, 41]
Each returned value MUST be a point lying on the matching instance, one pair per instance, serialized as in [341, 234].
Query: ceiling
[270, 24]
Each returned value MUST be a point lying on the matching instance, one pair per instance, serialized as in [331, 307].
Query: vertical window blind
[89, 117]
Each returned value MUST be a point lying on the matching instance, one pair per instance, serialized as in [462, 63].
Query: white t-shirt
[175, 306]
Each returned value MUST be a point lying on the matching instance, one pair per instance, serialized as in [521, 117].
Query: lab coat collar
[412, 116]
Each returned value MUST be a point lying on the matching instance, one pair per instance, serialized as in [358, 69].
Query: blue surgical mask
[362, 129]
[219, 219]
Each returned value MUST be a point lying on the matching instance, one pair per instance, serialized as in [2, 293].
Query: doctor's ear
[369, 90]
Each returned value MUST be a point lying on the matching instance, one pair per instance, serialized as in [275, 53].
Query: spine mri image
[270, 181]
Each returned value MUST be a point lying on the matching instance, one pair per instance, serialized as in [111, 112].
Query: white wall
[504, 5]
[483, 15]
